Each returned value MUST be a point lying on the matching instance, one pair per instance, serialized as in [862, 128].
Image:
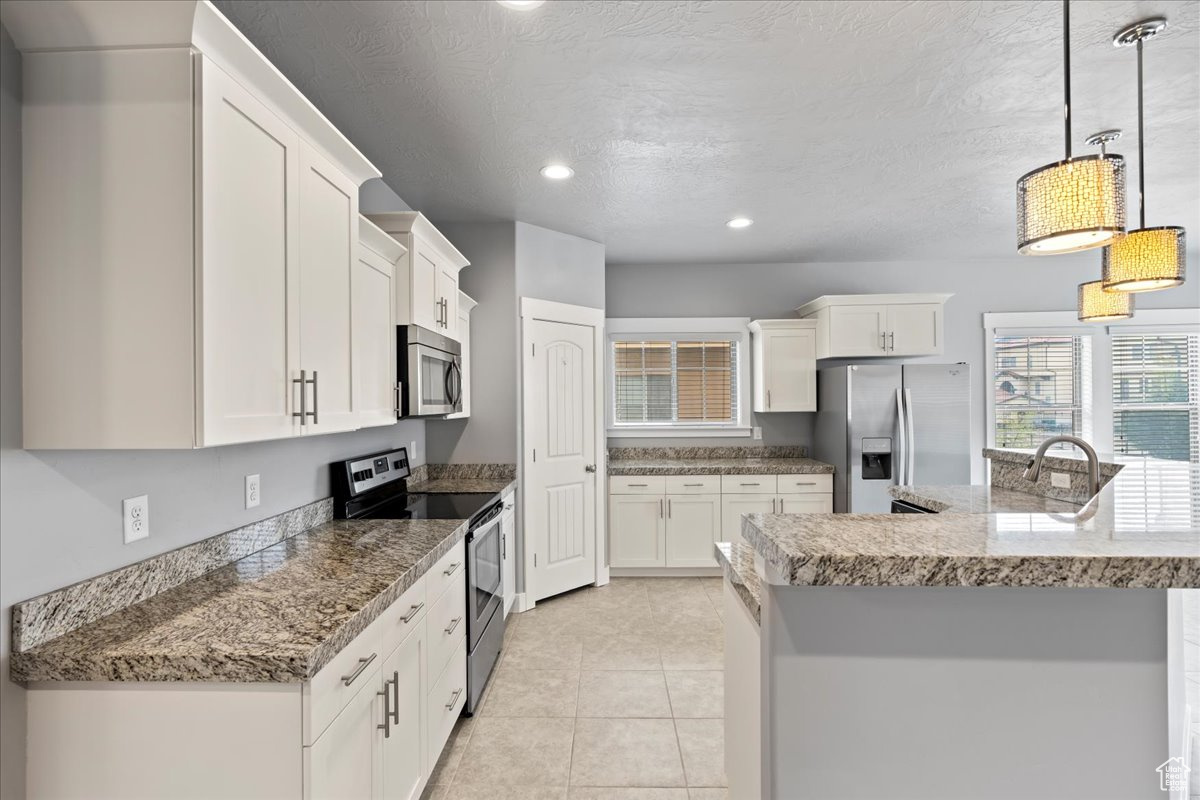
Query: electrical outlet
[253, 496]
[757, 431]
[412, 451]
[1060, 480]
[135, 514]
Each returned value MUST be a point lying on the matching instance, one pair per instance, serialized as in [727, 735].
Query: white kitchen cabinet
[508, 552]
[805, 504]
[205, 256]
[693, 526]
[852, 326]
[785, 365]
[427, 280]
[374, 305]
[637, 530]
[734, 506]
[465, 306]
[346, 762]
[405, 760]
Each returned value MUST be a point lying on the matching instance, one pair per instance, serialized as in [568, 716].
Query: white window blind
[675, 382]
[1156, 395]
[1040, 386]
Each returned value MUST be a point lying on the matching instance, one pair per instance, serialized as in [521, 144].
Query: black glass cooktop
[429, 506]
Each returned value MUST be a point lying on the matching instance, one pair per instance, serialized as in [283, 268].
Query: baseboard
[520, 604]
[665, 572]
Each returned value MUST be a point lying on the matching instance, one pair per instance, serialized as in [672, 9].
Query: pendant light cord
[1067, 73]
[1141, 145]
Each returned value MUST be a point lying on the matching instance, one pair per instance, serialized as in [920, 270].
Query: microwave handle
[454, 387]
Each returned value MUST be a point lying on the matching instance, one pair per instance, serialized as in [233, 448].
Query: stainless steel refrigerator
[884, 425]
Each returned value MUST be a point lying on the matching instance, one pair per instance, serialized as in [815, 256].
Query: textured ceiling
[847, 130]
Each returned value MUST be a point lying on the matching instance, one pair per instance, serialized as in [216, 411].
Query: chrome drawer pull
[362, 664]
[453, 699]
[453, 625]
[407, 618]
[806, 483]
[450, 569]
[693, 484]
[637, 485]
[750, 484]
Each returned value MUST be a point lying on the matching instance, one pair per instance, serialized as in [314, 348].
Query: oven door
[485, 578]
[434, 381]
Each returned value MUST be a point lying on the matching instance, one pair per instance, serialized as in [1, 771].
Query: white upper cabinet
[427, 281]
[195, 219]
[856, 325]
[465, 306]
[374, 308]
[785, 365]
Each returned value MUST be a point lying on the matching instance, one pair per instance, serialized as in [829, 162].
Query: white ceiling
[847, 130]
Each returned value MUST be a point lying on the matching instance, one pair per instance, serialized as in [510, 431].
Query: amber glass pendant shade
[1145, 260]
[1071, 205]
[1097, 305]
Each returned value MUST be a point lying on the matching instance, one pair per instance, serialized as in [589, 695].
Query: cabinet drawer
[446, 700]
[806, 503]
[449, 570]
[748, 484]
[806, 484]
[331, 689]
[637, 484]
[693, 484]
[446, 624]
[402, 617]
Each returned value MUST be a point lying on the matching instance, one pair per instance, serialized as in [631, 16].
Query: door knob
[590, 468]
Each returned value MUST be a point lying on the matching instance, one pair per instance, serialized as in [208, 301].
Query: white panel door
[328, 252]
[345, 763]
[805, 504]
[734, 506]
[560, 431]
[693, 526]
[425, 266]
[636, 530]
[248, 309]
[405, 760]
[790, 358]
[857, 330]
[374, 366]
[914, 329]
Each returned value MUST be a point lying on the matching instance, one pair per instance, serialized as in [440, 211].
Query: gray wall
[770, 291]
[560, 267]
[60, 511]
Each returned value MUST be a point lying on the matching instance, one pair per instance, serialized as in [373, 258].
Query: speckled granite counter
[278, 615]
[1141, 530]
[980, 500]
[737, 563]
[462, 485]
[713, 461]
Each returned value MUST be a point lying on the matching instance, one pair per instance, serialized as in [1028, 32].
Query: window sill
[677, 431]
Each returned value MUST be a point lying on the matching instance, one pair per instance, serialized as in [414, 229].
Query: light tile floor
[609, 693]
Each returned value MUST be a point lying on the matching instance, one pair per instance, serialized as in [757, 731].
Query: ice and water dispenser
[877, 458]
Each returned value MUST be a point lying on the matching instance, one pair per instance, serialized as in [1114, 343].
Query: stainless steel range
[376, 487]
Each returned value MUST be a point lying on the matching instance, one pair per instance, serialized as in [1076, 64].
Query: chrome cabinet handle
[693, 484]
[768, 398]
[303, 413]
[806, 483]
[503, 547]
[412, 612]
[363, 663]
[891, 340]
[396, 697]
[453, 699]
[450, 569]
[750, 484]
[668, 508]
[398, 399]
[883, 340]
[660, 508]
[453, 624]
[386, 727]
[315, 404]
[773, 501]
[637, 485]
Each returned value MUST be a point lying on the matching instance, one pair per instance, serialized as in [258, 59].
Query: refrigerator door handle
[901, 449]
[910, 472]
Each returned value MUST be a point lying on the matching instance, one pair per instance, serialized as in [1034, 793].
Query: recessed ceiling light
[521, 5]
[557, 172]
[740, 222]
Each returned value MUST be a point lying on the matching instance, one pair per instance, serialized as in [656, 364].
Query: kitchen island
[994, 655]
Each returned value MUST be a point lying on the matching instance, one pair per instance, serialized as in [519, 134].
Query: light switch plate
[1060, 480]
[757, 431]
[253, 491]
[135, 516]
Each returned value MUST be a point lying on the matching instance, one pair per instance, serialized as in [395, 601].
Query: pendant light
[1147, 259]
[1097, 305]
[1076, 203]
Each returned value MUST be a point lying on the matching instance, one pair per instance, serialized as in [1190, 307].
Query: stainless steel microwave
[430, 372]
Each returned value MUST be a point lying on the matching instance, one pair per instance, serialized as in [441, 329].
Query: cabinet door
[247, 294]
[426, 309]
[447, 290]
[463, 332]
[857, 330]
[915, 329]
[345, 763]
[328, 252]
[508, 530]
[635, 530]
[405, 761]
[806, 504]
[374, 342]
[693, 525]
[734, 506]
[790, 367]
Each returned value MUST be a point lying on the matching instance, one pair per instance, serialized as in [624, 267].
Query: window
[1155, 397]
[1038, 390]
[686, 381]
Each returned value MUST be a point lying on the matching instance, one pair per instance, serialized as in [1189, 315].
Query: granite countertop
[978, 499]
[737, 562]
[463, 486]
[1141, 530]
[717, 466]
[278, 615]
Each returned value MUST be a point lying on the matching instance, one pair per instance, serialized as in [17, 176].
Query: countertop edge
[745, 584]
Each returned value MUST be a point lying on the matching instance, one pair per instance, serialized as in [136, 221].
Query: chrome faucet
[1035, 466]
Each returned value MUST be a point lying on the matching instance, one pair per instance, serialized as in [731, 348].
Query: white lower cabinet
[693, 527]
[636, 530]
[734, 506]
[346, 762]
[405, 759]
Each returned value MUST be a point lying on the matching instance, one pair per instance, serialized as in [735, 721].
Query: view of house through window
[675, 382]
[1039, 388]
